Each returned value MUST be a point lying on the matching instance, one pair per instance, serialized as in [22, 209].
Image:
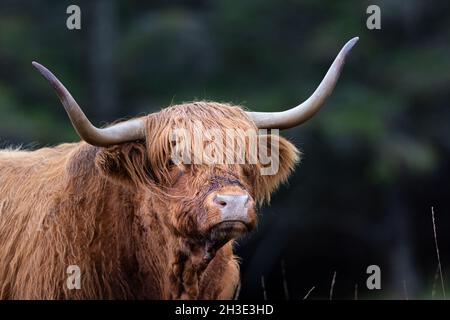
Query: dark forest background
[376, 158]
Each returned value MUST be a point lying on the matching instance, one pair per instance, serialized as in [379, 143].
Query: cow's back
[30, 182]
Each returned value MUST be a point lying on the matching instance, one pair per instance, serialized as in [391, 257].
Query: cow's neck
[160, 252]
[189, 262]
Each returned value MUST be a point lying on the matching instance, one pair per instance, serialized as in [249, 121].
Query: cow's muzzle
[233, 212]
[233, 207]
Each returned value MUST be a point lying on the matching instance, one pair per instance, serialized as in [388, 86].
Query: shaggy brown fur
[138, 226]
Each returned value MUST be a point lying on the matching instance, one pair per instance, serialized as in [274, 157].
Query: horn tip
[352, 42]
[348, 46]
[37, 65]
[45, 72]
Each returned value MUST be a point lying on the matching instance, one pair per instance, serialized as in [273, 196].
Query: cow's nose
[232, 206]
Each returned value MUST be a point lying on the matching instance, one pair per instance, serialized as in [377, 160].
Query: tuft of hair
[211, 115]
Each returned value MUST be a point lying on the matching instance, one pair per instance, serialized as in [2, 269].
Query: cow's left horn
[304, 111]
[119, 133]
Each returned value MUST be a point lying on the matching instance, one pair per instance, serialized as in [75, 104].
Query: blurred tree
[102, 31]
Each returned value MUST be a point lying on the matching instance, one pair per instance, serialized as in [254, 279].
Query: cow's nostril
[221, 203]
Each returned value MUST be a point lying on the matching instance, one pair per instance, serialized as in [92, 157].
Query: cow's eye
[171, 163]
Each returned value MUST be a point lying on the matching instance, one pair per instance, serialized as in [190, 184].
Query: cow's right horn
[304, 111]
[119, 133]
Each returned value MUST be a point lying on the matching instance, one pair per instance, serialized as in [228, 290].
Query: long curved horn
[122, 132]
[304, 111]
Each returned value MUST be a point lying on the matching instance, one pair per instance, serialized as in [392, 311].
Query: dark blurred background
[375, 159]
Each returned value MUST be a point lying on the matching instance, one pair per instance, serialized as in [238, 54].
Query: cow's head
[208, 193]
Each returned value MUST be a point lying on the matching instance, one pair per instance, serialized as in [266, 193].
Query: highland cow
[137, 224]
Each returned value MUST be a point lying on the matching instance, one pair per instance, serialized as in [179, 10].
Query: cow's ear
[125, 163]
[281, 158]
